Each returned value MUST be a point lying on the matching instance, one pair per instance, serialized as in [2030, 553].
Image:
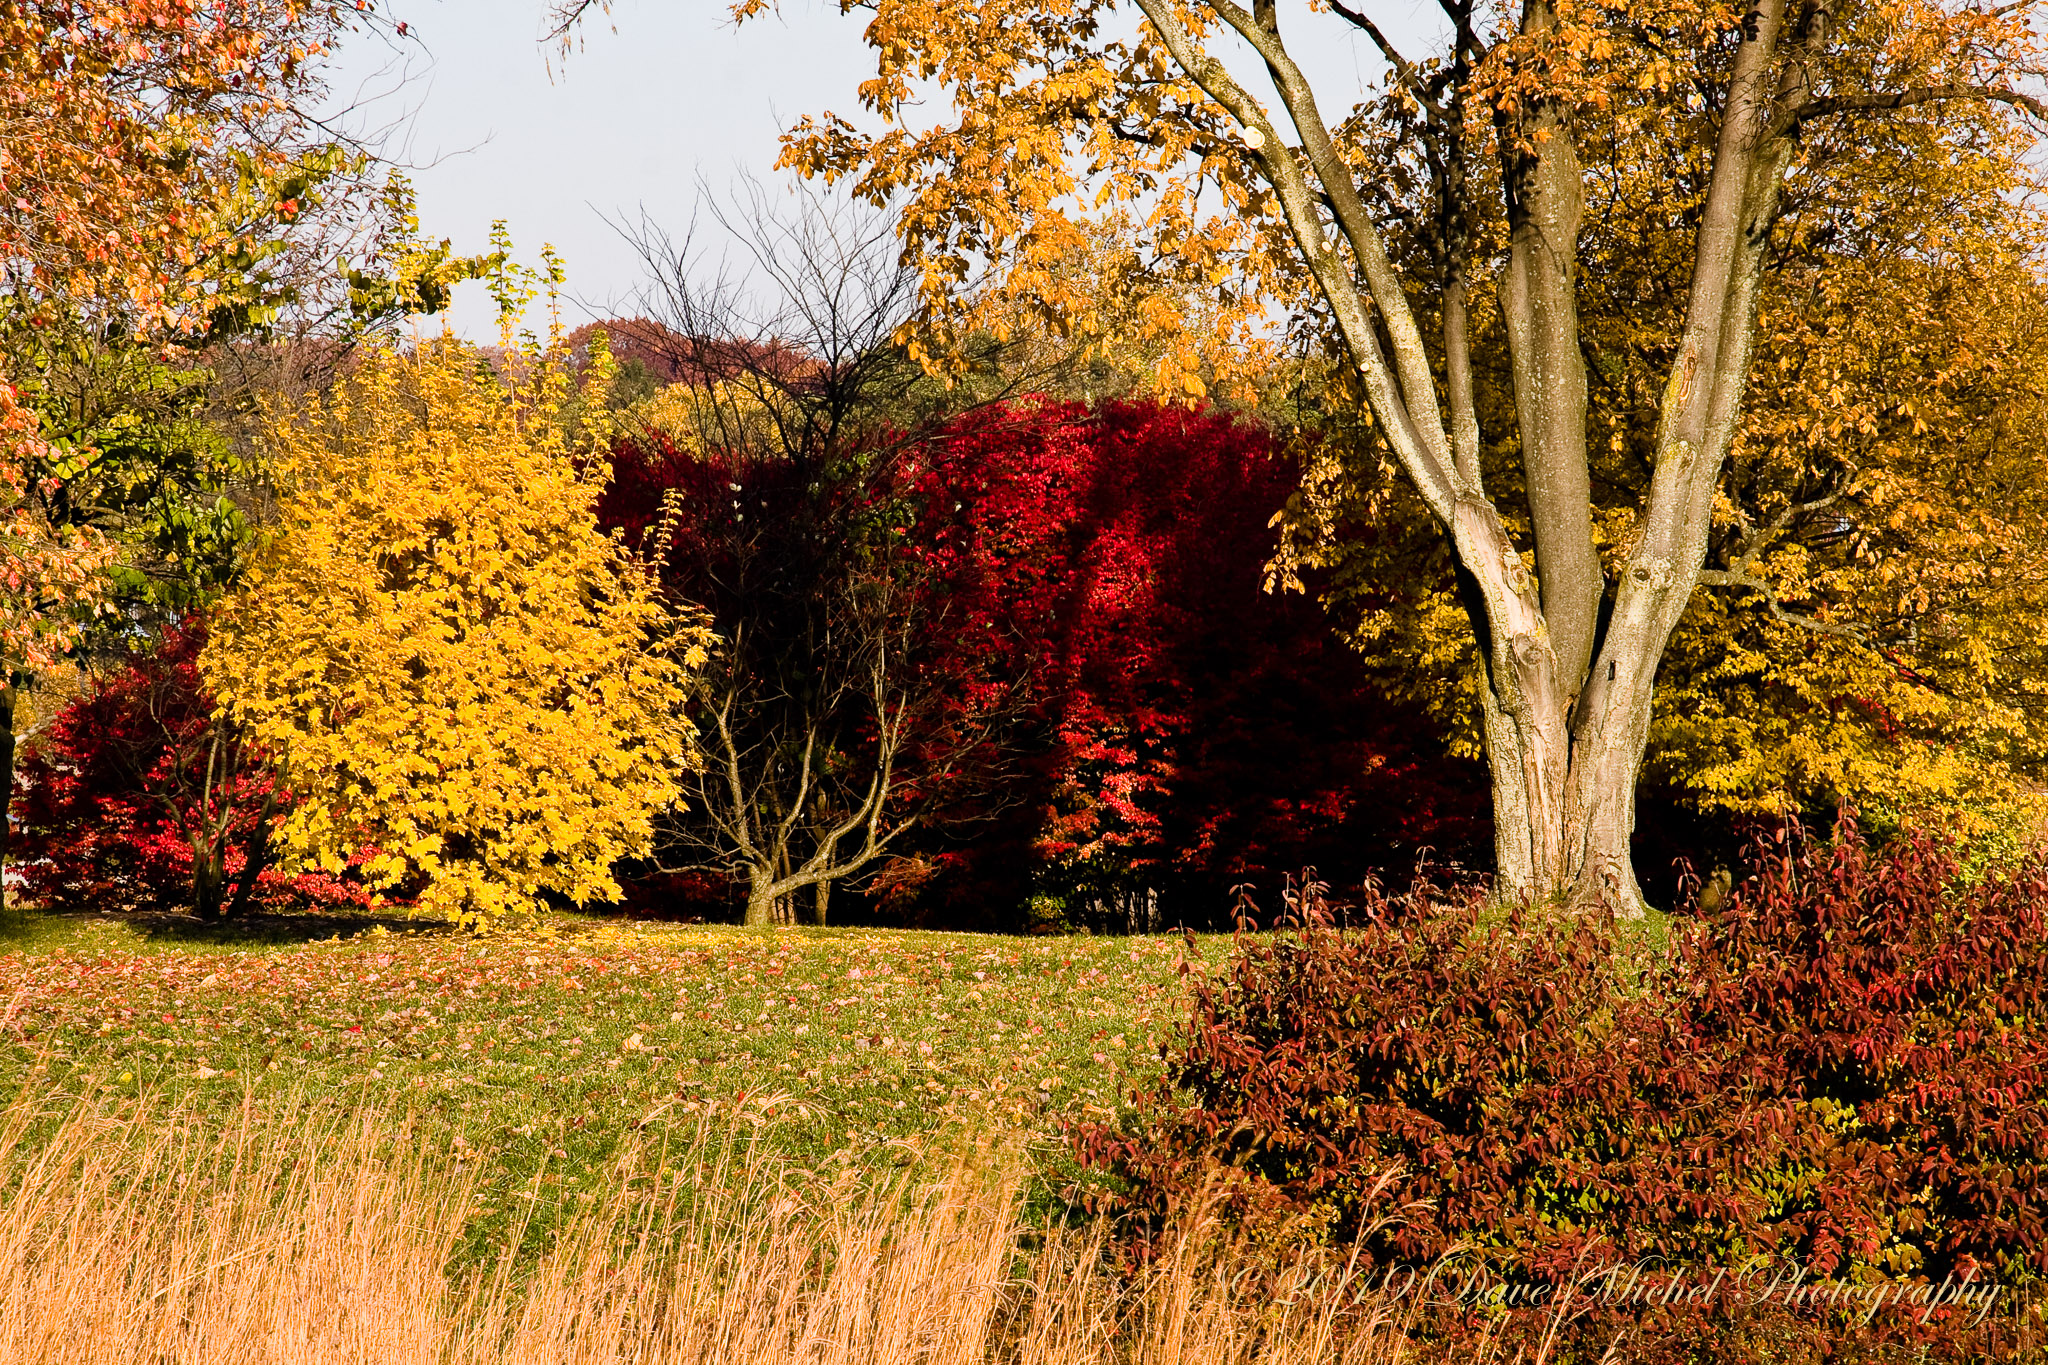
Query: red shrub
[1187, 730]
[1090, 592]
[1844, 1067]
[1876, 983]
[136, 800]
[1420, 1082]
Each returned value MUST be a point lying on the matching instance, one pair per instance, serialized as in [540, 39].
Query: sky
[664, 97]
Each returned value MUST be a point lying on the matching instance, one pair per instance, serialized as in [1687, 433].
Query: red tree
[1190, 729]
[138, 799]
[1179, 728]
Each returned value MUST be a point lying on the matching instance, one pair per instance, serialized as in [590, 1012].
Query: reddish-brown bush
[1843, 1067]
[1909, 1010]
[1486, 1084]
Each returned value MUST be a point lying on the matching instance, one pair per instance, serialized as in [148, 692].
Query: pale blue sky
[501, 127]
[630, 120]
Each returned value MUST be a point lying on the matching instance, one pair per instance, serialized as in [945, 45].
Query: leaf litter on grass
[530, 1056]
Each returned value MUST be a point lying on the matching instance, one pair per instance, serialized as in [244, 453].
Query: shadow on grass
[24, 928]
[18, 927]
[268, 928]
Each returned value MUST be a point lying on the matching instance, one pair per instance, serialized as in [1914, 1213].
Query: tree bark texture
[1565, 695]
[761, 899]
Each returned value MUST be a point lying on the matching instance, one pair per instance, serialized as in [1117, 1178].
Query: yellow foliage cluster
[471, 686]
[1056, 133]
[1883, 492]
[1904, 666]
[1176, 336]
[697, 418]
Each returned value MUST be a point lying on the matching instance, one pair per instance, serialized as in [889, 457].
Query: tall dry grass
[148, 1237]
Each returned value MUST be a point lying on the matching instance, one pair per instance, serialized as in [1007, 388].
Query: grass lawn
[531, 1054]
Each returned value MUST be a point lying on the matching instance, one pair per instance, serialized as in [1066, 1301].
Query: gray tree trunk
[760, 900]
[1565, 702]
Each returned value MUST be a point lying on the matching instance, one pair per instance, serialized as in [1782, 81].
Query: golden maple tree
[1198, 112]
[474, 688]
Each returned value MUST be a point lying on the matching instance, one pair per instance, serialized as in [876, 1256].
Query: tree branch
[1729, 578]
[2033, 108]
[1405, 69]
[1411, 358]
[1424, 458]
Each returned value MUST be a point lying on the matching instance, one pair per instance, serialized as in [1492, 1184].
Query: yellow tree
[1199, 111]
[1874, 618]
[1875, 624]
[467, 681]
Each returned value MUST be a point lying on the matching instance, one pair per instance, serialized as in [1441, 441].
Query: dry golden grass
[309, 1241]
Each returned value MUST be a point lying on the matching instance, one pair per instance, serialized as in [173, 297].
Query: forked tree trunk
[1566, 696]
[772, 900]
[1564, 777]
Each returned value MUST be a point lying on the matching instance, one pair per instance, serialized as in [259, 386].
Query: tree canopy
[467, 682]
[1473, 178]
[1869, 619]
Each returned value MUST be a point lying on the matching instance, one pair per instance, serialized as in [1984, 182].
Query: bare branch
[1410, 74]
[565, 15]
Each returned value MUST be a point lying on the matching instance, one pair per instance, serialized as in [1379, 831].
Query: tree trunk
[821, 900]
[1564, 801]
[760, 900]
[209, 881]
[8, 695]
[1565, 700]
[255, 858]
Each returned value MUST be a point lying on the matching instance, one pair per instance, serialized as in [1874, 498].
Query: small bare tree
[827, 736]
[814, 797]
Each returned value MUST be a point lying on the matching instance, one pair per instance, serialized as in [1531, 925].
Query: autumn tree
[810, 702]
[1180, 730]
[768, 486]
[152, 160]
[137, 797]
[1203, 112]
[1870, 617]
[470, 684]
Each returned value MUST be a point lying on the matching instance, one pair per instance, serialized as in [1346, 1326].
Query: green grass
[536, 1053]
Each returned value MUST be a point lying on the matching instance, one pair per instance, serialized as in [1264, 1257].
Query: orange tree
[1199, 112]
[137, 142]
[144, 150]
